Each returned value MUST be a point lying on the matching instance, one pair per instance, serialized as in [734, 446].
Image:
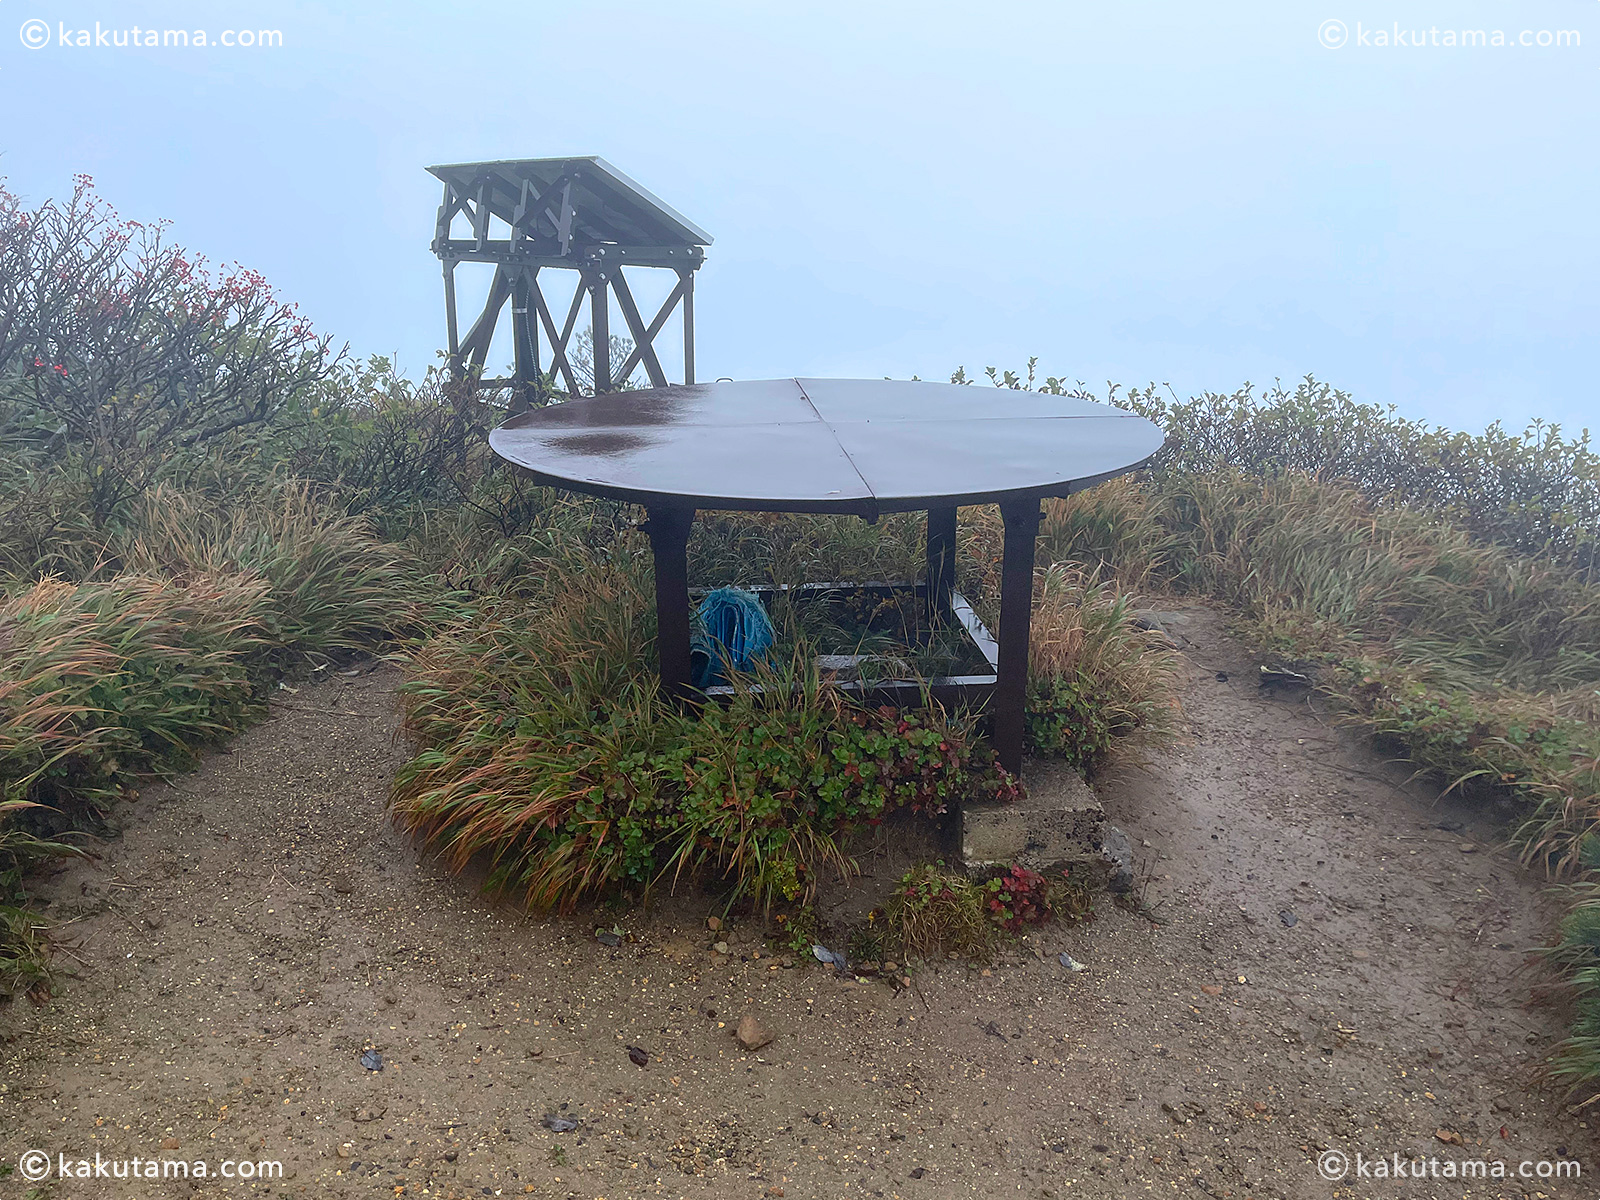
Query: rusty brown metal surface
[862, 446]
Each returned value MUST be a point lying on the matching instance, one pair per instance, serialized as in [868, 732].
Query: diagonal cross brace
[643, 343]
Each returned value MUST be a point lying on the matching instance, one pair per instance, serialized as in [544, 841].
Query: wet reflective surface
[819, 445]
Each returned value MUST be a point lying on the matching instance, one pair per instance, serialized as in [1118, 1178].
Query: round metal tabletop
[862, 446]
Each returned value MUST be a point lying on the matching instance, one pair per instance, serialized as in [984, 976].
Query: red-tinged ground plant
[935, 910]
[123, 358]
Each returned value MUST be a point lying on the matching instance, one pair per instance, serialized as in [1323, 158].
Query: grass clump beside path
[936, 911]
[127, 675]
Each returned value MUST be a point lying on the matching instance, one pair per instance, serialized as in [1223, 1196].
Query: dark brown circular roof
[825, 445]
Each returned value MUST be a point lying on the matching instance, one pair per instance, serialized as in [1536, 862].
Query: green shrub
[546, 751]
[1537, 493]
[125, 361]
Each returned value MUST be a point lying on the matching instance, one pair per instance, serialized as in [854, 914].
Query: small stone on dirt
[372, 1060]
[1211, 989]
[713, 923]
[169, 1143]
[558, 1124]
[607, 938]
[1468, 848]
[752, 1034]
[720, 947]
[1117, 851]
[1287, 916]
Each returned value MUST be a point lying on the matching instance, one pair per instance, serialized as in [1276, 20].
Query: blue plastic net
[734, 630]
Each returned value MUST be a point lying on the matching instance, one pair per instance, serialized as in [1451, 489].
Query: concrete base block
[1059, 826]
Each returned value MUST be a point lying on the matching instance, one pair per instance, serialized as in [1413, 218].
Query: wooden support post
[1016, 619]
[532, 281]
[480, 217]
[451, 327]
[600, 328]
[524, 339]
[668, 527]
[941, 563]
[688, 325]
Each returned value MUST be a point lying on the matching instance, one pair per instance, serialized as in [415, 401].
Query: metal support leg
[1016, 617]
[941, 562]
[669, 539]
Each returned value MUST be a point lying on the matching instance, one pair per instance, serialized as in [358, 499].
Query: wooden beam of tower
[476, 344]
[524, 337]
[558, 344]
[480, 217]
[686, 279]
[450, 316]
[448, 208]
[654, 328]
[600, 329]
[555, 202]
[643, 339]
[573, 310]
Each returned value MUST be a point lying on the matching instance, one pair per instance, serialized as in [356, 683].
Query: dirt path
[1334, 972]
